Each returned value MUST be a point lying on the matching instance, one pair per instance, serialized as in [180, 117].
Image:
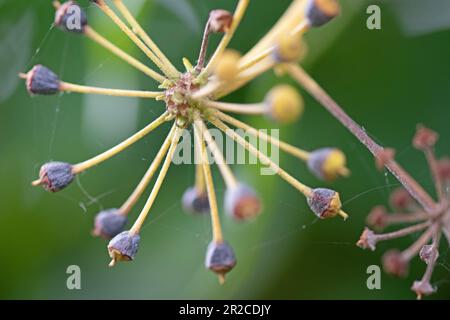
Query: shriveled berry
[242, 203]
[443, 167]
[123, 247]
[285, 105]
[377, 218]
[320, 12]
[367, 240]
[423, 288]
[41, 80]
[55, 176]
[71, 17]
[220, 258]
[325, 203]
[401, 199]
[227, 67]
[327, 163]
[428, 254]
[109, 223]
[424, 138]
[288, 49]
[395, 264]
[220, 20]
[195, 202]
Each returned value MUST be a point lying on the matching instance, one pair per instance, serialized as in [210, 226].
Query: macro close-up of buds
[302, 92]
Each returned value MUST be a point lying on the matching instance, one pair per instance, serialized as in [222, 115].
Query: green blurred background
[389, 80]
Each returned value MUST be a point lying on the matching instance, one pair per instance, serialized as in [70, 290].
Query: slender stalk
[292, 17]
[402, 233]
[239, 13]
[294, 151]
[169, 68]
[215, 220]
[70, 87]
[137, 193]
[96, 37]
[244, 65]
[83, 166]
[207, 90]
[433, 259]
[414, 249]
[199, 177]
[304, 189]
[244, 77]
[397, 218]
[227, 174]
[136, 228]
[122, 26]
[255, 109]
[402, 176]
[247, 63]
[203, 47]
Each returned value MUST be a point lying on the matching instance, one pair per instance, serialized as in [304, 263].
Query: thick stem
[401, 175]
[137, 193]
[82, 166]
[432, 162]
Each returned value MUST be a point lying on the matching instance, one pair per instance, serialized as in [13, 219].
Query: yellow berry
[289, 49]
[328, 163]
[285, 104]
[228, 65]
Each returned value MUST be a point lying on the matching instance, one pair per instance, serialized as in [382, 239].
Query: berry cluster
[192, 100]
[431, 223]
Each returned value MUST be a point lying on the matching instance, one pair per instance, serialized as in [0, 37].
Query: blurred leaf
[184, 11]
[418, 17]
[15, 43]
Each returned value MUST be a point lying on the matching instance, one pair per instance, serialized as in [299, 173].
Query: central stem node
[177, 95]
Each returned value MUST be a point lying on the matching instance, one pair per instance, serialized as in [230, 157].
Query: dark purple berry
[55, 176]
[123, 247]
[195, 202]
[320, 12]
[220, 258]
[242, 202]
[41, 80]
[71, 17]
[109, 223]
[325, 203]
